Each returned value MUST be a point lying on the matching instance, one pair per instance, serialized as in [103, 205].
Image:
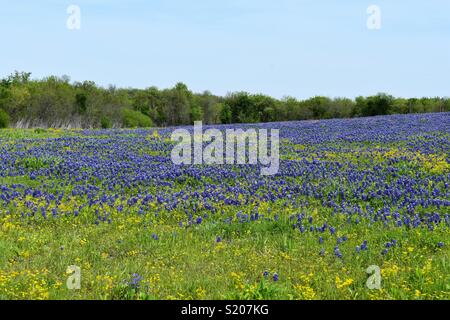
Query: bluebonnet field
[349, 194]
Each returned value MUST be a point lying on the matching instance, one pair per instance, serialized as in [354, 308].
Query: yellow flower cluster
[237, 279]
[390, 270]
[341, 284]
[304, 292]
[25, 284]
[107, 281]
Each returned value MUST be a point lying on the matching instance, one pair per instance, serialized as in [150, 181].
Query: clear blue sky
[284, 47]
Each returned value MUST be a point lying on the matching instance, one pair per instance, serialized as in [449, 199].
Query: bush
[4, 119]
[134, 119]
[39, 130]
[105, 123]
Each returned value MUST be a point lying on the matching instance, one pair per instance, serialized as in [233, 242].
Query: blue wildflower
[135, 282]
[275, 276]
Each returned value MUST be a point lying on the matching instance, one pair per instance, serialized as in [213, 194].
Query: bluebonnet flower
[275, 276]
[337, 252]
[43, 212]
[332, 230]
[135, 282]
[155, 236]
[364, 245]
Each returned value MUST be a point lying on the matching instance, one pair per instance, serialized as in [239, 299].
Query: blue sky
[285, 47]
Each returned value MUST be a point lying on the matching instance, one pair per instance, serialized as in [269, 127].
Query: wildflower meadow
[359, 209]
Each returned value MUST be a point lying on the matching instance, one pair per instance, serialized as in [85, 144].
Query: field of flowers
[349, 194]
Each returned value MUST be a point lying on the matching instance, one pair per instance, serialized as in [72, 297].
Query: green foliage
[4, 119]
[225, 113]
[196, 113]
[377, 105]
[105, 122]
[81, 102]
[135, 119]
[39, 130]
[318, 106]
[241, 107]
[56, 102]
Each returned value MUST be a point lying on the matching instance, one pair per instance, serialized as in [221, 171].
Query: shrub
[105, 123]
[134, 119]
[4, 119]
[39, 130]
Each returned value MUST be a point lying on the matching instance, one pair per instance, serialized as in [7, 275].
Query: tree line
[58, 102]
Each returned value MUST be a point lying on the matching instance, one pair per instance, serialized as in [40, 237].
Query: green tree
[340, 108]
[135, 119]
[225, 113]
[241, 108]
[446, 105]
[196, 113]
[55, 101]
[209, 106]
[80, 100]
[263, 108]
[399, 106]
[178, 108]
[4, 119]
[105, 122]
[318, 106]
[381, 104]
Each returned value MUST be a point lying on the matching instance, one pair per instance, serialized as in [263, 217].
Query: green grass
[188, 263]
